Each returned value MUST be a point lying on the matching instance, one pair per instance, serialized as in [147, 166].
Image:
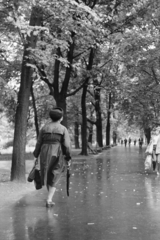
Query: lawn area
[8, 156]
[29, 155]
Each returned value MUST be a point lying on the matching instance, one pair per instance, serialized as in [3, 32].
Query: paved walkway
[111, 198]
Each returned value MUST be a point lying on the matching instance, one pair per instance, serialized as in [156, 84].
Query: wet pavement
[111, 198]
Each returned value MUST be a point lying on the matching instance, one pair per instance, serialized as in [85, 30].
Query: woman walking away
[53, 147]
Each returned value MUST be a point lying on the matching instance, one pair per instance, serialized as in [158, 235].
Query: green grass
[8, 156]
[29, 156]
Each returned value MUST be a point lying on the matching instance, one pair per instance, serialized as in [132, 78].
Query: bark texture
[99, 135]
[83, 105]
[76, 135]
[147, 132]
[19, 143]
[108, 127]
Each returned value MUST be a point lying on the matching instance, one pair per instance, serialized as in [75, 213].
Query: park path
[111, 198]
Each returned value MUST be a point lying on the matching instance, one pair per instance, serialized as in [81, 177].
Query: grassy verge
[8, 156]
[29, 155]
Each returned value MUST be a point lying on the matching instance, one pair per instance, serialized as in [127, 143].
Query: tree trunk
[61, 96]
[35, 112]
[83, 106]
[76, 135]
[108, 123]
[147, 132]
[18, 160]
[99, 135]
[62, 104]
[84, 119]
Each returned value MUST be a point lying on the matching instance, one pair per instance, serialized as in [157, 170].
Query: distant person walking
[152, 150]
[129, 141]
[53, 147]
[140, 142]
[135, 141]
[125, 142]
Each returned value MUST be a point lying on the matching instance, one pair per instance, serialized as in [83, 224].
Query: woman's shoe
[49, 204]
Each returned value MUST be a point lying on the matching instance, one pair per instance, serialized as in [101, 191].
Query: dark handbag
[35, 176]
[37, 179]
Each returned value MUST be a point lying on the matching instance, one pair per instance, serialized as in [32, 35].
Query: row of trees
[93, 58]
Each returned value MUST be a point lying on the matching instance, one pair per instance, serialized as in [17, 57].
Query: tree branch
[91, 121]
[44, 76]
[154, 75]
[76, 90]
[5, 59]
[106, 63]
[93, 104]
[90, 93]
[147, 72]
[79, 54]
[85, 62]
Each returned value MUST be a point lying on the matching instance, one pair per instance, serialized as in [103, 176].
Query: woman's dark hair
[56, 114]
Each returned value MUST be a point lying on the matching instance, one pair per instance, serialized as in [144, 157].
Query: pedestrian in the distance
[140, 142]
[53, 148]
[135, 142]
[125, 142]
[129, 141]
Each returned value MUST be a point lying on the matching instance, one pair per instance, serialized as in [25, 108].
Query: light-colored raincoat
[158, 145]
[53, 147]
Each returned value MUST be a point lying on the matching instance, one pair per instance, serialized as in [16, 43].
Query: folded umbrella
[68, 176]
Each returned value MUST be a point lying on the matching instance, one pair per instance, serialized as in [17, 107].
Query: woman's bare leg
[51, 191]
[158, 168]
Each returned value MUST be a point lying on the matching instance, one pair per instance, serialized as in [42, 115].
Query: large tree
[18, 161]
